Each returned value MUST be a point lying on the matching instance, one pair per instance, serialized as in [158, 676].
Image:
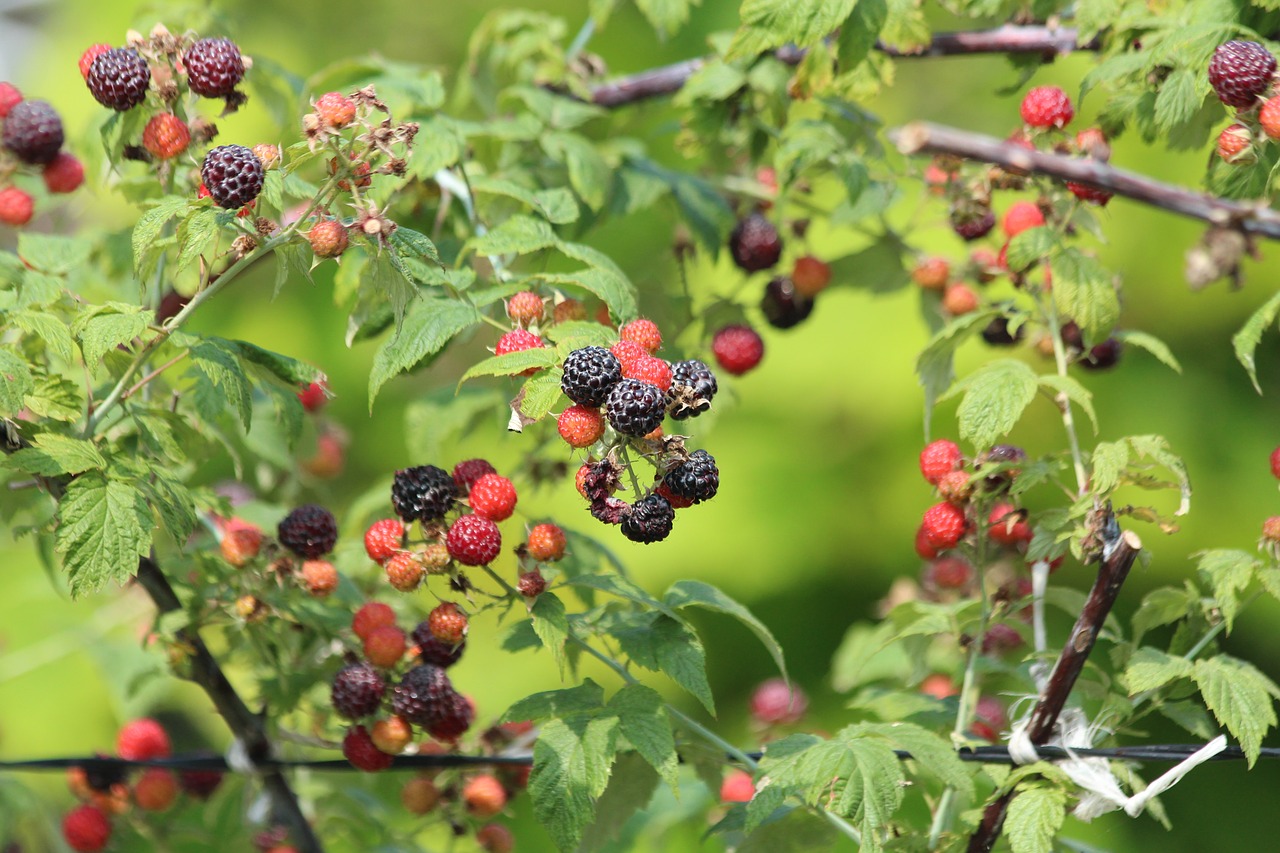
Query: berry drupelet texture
[589, 375]
[474, 540]
[309, 531]
[755, 243]
[423, 493]
[696, 479]
[1240, 73]
[635, 408]
[214, 67]
[693, 386]
[649, 520]
[233, 174]
[119, 78]
[33, 132]
[357, 690]
[737, 348]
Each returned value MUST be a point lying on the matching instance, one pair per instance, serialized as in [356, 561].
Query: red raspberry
[495, 838]
[404, 571]
[214, 67]
[546, 543]
[1089, 194]
[737, 787]
[142, 740]
[1008, 526]
[420, 795]
[383, 538]
[447, 623]
[392, 735]
[938, 686]
[643, 332]
[531, 584]
[525, 308]
[1021, 216]
[240, 543]
[950, 573]
[155, 790]
[1235, 144]
[314, 396]
[10, 97]
[166, 136]
[320, 576]
[649, 369]
[628, 352]
[484, 796]
[954, 487]
[568, 310]
[932, 273]
[1047, 106]
[358, 748]
[384, 646]
[944, 526]
[939, 458]
[64, 174]
[373, 614]
[466, 473]
[494, 497]
[810, 276]
[922, 546]
[86, 829]
[755, 244]
[960, 299]
[775, 702]
[1240, 72]
[335, 109]
[328, 238]
[87, 58]
[738, 349]
[580, 426]
[1275, 463]
[474, 540]
[16, 207]
[519, 340]
[1269, 118]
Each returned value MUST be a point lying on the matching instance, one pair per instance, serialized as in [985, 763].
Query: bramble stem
[1050, 312]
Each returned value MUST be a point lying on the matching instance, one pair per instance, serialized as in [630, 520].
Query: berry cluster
[1242, 74]
[303, 539]
[31, 138]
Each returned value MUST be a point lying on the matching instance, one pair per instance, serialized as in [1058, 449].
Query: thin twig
[1049, 42]
[928, 138]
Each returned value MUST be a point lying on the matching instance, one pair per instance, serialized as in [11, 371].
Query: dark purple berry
[696, 479]
[1240, 72]
[33, 132]
[119, 79]
[589, 375]
[649, 521]
[1103, 355]
[997, 332]
[422, 694]
[233, 174]
[214, 67]
[433, 650]
[309, 531]
[452, 718]
[783, 305]
[423, 493]
[973, 223]
[357, 691]
[755, 244]
[693, 386]
[635, 408]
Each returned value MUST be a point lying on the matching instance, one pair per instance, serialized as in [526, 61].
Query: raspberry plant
[480, 221]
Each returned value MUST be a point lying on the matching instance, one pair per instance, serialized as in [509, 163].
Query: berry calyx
[938, 459]
[546, 543]
[233, 174]
[738, 349]
[1046, 107]
[358, 748]
[86, 829]
[166, 136]
[693, 386]
[944, 526]
[755, 244]
[373, 614]
[484, 796]
[63, 174]
[643, 332]
[474, 540]
[383, 538]
[494, 497]
[142, 740]
[525, 307]
[214, 67]
[1240, 72]
[447, 623]
[118, 78]
[384, 646]
[328, 238]
[310, 531]
[580, 426]
[335, 109]
[33, 132]
[1021, 216]
[16, 207]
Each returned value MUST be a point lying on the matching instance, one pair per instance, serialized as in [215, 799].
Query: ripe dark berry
[452, 719]
[142, 740]
[465, 474]
[493, 496]
[63, 174]
[599, 480]
[358, 748]
[86, 829]
[635, 408]
[737, 349]
[696, 479]
[233, 175]
[335, 109]
[1000, 638]
[693, 386]
[972, 224]
[643, 332]
[473, 540]
[10, 97]
[421, 694]
[166, 136]
[1240, 72]
[33, 132]
[782, 304]
[432, 650]
[309, 531]
[119, 78]
[357, 690]
[383, 538]
[16, 207]
[546, 543]
[422, 493]
[997, 332]
[447, 623]
[1103, 355]
[775, 702]
[939, 458]
[1047, 106]
[214, 67]
[87, 58]
[328, 238]
[755, 244]
[944, 525]
[649, 521]
[589, 375]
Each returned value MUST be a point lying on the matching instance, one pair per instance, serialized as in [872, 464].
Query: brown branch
[1049, 42]
[928, 138]
[1120, 550]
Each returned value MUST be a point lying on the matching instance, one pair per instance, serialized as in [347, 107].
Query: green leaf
[642, 716]
[586, 698]
[1240, 697]
[512, 363]
[109, 326]
[1179, 98]
[385, 279]
[1228, 573]
[612, 287]
[768, 24]
[551, 625]
[1030, 246]
[413, 244]
[858, 36]
[290, 372]
[1156, 448]
[15, 382]
[147, 231]
[995, 396]
[52, 331]
[1162, 606]
[805, 143]
[51, 454]
[539, 394]
[1246, 341]
[571, 763]
[173, 503]
[935, 365]
[933, 752]
[1150, 668]
[667, 645]
[716, 80]
[196, 235]
[1109, 460]
[103, 528]
[589, 174]
[222, 380]
[426, 330]
[691, 593]
[519, 235]
[1035, 818]
[1082, 290]
[556, 204]
[53, 254]
[666, 16]
[1074, 391]
[631, 785]
[1151, 344]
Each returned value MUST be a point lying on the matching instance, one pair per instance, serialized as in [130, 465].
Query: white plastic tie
[1139, 801]
[1021, 749]
[238, 759]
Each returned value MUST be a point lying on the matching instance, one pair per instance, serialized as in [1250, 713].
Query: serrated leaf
[1035, 818]
[1074, 391]
[1157, 448]
[571, 763]
[1030, 246]
[767, 24]
[1179, 98]
[223, 382]
[589, 174]
[512, 363]
[519, 235]
[52, 396]
[1228, 573]
[805, 143]
[691, 593]
[112, 325]
[290, 372]
[15, 382]
[935, 364]
[426, 330]
[1190, 716]
[51, 253]
[540, 393]
[858, 36]
[385, 281]
[1162, 606]
[1151, 344]
[1108, 460]
[933, 752]
[1082, 291]
[642, 716]
[716, 80]
[173, 504]
[52, 331]
[196, 234]
[586, 698]
[1150, 668]
[51, 454]
[103, 528]
[631, 785]
[147, 231]
[611, 286]
[666, 16]
[1245, 342]
[680, 655]
[995, 396]
[1240, 697]
[551, 625]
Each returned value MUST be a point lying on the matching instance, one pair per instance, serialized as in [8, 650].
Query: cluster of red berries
[106, 791]
[1242, 74]
[331, 439]
[31, 138]
[946, 523]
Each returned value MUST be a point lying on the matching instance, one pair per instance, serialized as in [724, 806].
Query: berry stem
[1050, 312]
[141, 383]
[579, 42]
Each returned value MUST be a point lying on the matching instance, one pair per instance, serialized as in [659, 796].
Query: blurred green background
[821, 492]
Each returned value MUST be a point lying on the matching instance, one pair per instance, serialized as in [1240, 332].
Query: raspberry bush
[464, 228]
